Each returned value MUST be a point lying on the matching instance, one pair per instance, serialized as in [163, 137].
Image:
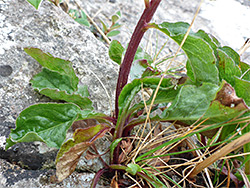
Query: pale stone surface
[53, 31]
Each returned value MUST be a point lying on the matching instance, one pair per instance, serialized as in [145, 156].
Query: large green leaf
[71, 151]
[228, 64]
[242, 88]
[83, 102]
[44, 122]
[53, 80]
[200, 50]
[191, 102]
[35, 3]
[245, 68]
[131, 89]
[219, 104]
[58, 65]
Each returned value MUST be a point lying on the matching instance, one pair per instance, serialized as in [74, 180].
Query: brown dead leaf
[114, 183]
[228, 97]
[126, 148]
[67, 162]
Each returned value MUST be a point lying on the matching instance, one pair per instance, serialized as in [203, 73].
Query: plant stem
[132, 47]
[97, 177]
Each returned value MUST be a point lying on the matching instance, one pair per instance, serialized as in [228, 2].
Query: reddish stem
[132, 47]
[125, 67]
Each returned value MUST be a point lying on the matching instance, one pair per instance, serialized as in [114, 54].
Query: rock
[222, 23]
[53, 31]
[15, 177]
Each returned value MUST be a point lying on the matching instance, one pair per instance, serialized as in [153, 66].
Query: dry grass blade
[239, 142]
[245, 179]
[93, 22]
[244, 47]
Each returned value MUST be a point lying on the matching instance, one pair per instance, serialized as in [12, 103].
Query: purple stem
[97, 177]
[132, 47]
[125, 67]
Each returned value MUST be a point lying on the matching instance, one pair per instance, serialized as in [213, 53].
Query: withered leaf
[71, 151]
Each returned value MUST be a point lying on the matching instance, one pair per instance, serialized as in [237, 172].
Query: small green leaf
[35, 3]
[228, 61]
[104, 26]
[133, 168]
[81, 18]
[115, 26]
[113, 33]
[114, 18]
[82, 90]
[119, 13]
[58, 65]
[44, 122]
[130, 90]
[115, 51]
[200, 50]
[141, 54]
[113, 146]
[141, 62]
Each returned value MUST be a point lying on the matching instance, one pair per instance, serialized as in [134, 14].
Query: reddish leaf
[71, 151]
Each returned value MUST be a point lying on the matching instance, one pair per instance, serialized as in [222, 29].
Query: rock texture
[53, 31]
[225, 19]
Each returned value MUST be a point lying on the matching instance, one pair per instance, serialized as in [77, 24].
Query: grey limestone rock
[53, 31]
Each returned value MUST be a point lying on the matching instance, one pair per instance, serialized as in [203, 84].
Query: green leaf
[119, 13]
[44, 122]
[191, 102]
[52, 80]
[82, 90]
[242, 88]
[245, 68]
[115, 26]
[219, 104]
[104, 26]
[58, 87]
[113, 33]
[113, 146]
[83, 102]
[35, 3]
[71, 151]
[141, 62]
[133, 168]
[141, 54]
[79, 17]
[115, 18]
[130, 90]
[200, 50]
[115, 51]
[58, 65]
[228, 64]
